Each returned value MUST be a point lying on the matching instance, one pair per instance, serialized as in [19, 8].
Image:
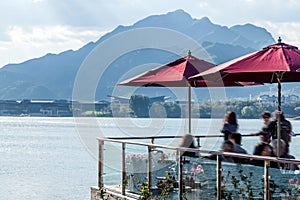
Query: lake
[55, 158]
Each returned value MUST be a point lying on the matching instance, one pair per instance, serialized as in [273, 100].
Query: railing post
[124, 180]
[267, 180]
[219, 177]
[190, 107]
[181, 185]
[150, 169]
[100, 164]
[198, 141]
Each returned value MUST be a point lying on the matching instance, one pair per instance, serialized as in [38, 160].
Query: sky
[33, 28]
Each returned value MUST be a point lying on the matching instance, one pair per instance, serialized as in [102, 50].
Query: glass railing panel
[242, 181]
[199, 177]
[164, 173]
[239, 181]
[284, 180]
[136, 168]
[112, 163]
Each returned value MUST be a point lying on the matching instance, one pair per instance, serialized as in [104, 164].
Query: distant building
[9, 107]
[126, 100]
[184, 102]
[47, 108]
[292, 98]
[273, 99]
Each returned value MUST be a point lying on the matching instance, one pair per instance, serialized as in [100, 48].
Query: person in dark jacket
[236, 139]
[263, 149]
[188, 142]
[227, 146]
[230, 124]
[283, 154]
[265, 135]
[285, 131]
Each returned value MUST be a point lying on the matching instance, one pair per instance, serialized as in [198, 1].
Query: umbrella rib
[284, 53]
[272, 78]
[279, 75]
[222, 77]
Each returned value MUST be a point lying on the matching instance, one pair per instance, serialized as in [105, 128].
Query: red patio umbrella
[176, 74]
[276, 63]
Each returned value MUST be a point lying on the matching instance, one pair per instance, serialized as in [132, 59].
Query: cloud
[37, 1]
[60, 35]
[109, 14]
[241, 11]
[55, 25]
[288, 31]
[25, 42]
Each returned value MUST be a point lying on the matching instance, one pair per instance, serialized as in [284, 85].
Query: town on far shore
[120, 107]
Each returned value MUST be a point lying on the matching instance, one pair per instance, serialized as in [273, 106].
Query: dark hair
[282, 117]
[187, 141]
[227, 143]
[230, 117]
[266, 114]
[237, 137]
[281, 114]
[260, 147]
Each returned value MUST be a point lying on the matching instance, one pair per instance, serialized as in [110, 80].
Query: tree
[157, 110]
[173, 110]
[248, 112]
[140, 105]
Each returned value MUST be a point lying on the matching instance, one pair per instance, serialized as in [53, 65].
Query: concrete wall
[110, 194]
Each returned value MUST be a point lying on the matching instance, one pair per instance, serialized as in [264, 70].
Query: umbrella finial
[279, 40]
[189, 53]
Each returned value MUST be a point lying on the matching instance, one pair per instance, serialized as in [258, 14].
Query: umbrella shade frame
[177, 74]
[279, 63]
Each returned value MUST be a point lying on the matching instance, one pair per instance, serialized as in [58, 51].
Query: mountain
[52, 76]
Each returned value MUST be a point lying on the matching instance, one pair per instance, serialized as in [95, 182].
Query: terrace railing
[215, 177]
[197, 137]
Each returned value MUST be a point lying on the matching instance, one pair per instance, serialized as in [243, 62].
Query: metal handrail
[179, 150]
[176, 136]
[196, 150]
[197, 137]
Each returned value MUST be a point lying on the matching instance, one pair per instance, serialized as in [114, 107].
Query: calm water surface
[47, 158]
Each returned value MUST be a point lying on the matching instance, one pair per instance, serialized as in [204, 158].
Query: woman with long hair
[230, 124]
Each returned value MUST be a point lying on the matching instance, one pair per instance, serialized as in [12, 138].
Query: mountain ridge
[56, 72]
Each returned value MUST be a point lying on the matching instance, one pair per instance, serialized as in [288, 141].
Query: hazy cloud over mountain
[57, 73]
[78, 22]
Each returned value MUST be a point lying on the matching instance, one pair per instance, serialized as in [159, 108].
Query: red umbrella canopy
[275, 63]
[177, 74]
[220, 83]
[260, 66]
[173, 74]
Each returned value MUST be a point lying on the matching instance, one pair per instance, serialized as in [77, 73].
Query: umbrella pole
[278, 115]
[190, 107]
